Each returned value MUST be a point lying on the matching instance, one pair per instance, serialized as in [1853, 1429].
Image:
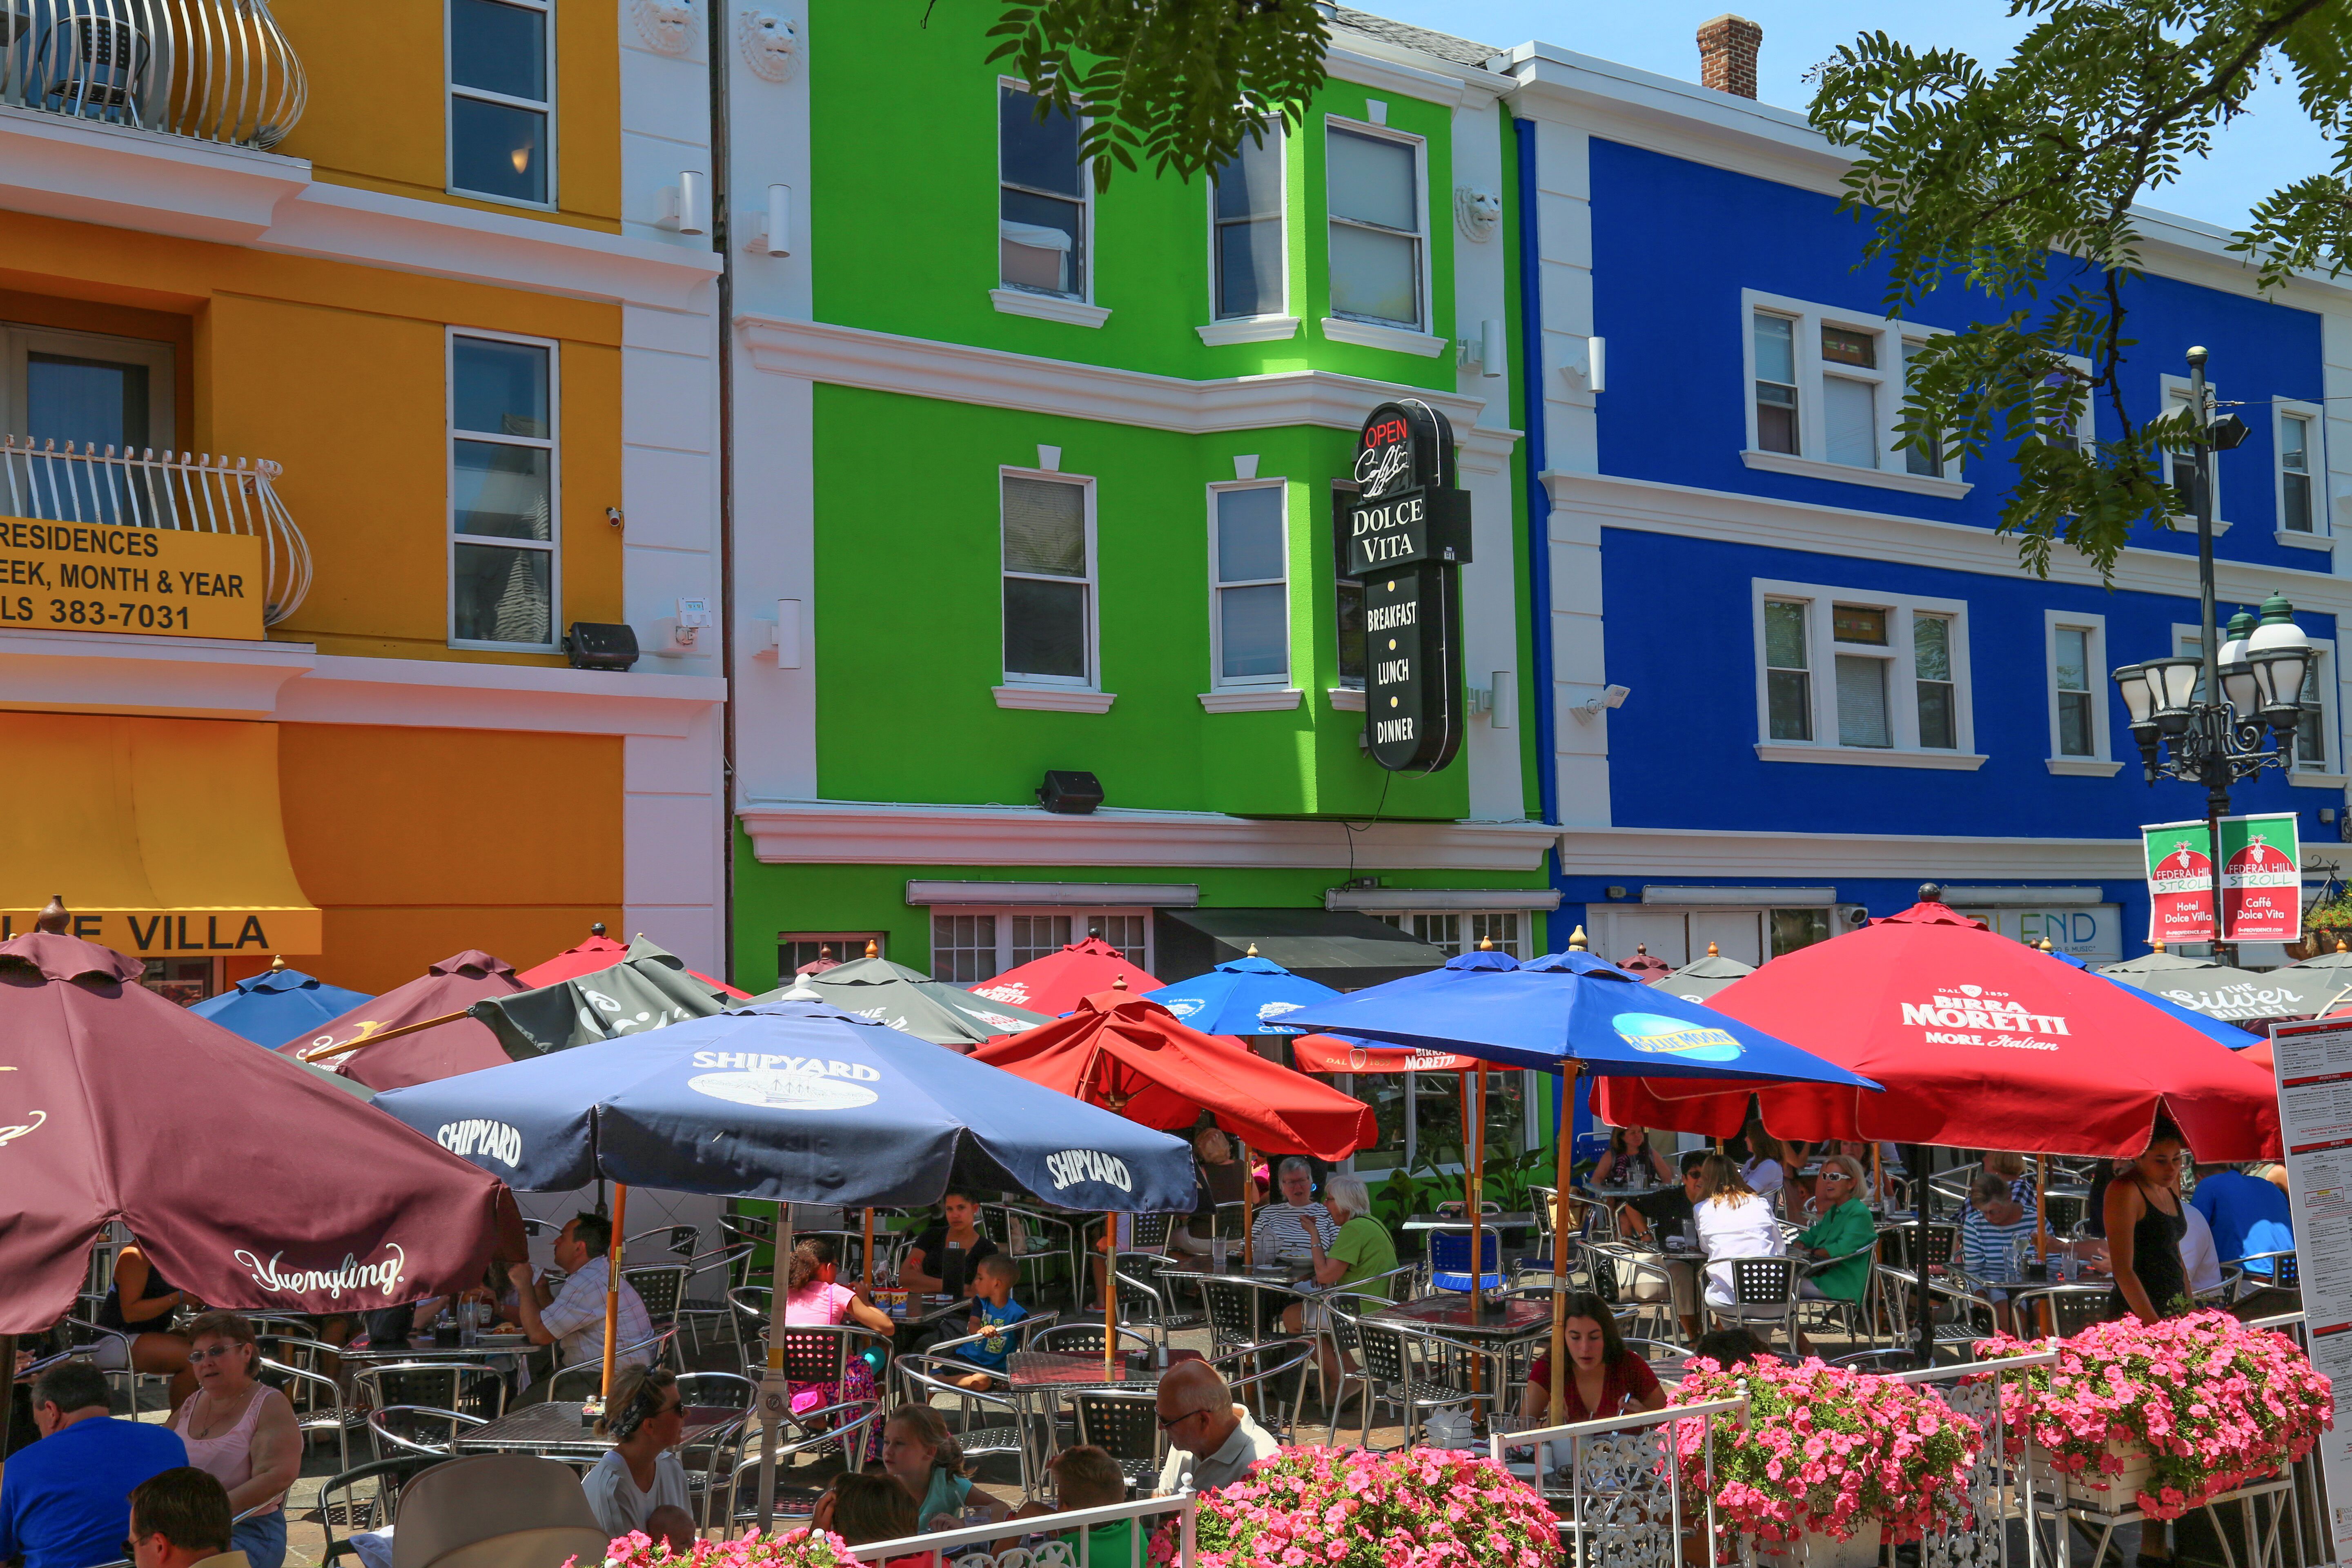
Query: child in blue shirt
[993, 1310]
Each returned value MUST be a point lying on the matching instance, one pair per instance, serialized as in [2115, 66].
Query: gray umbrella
[2233, 995]
[2160, 962]
[1703, 978]
[910, 1002]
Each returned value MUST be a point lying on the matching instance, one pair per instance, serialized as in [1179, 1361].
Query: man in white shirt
[2196, 1253]
[1210, 1439]
[573, 1317]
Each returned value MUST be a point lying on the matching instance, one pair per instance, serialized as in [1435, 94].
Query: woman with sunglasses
[242, 1432]
[639, 1483]
[1845, 1230]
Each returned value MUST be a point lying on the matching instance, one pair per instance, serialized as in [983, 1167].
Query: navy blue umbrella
[278, 1006]
[799, 1102]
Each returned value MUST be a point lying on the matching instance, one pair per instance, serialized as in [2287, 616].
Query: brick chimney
[1727, 54]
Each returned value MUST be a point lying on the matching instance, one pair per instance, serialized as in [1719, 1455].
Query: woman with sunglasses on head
[242, 1432]
[638, 1484]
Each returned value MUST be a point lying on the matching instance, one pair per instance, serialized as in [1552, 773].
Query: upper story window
[502, 99]
[2301, 471]
[89, 388]
[1825, 396]
[970, 945]
[1860, 678]
[503, 478]
[1042, 196]
[1249, 566]
[1347, 599]
[1373, 191]
[2074, 695]
[1049, 617]
[1454, 933]
[1245, 223]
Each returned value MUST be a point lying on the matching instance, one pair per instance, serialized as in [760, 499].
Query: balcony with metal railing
[197, 491]
[213, 70]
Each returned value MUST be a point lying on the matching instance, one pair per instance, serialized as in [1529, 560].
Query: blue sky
[2261, 152]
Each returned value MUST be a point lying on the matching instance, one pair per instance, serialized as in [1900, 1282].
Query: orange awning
[163, 836]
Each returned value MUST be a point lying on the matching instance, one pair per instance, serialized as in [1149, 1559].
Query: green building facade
[1033, 476]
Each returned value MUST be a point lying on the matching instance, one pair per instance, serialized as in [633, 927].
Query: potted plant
[1347, 1508]
[2165, 1416]
[1828, 1459]
[784, 1549]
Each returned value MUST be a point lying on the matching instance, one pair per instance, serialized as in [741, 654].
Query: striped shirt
[576, 1319]
[1281, 1228]
[1987, 1250]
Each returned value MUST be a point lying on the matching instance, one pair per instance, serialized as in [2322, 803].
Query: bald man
[1210, 1439]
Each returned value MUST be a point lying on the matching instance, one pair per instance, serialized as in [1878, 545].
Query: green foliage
[1177, 82]
[2020, 183]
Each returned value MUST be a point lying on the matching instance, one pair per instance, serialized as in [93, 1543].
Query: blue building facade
[1796, 671]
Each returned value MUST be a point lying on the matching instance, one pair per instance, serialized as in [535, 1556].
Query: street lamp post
[2202, 719]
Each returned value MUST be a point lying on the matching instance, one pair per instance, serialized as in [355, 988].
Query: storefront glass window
[1793, 929]
[185, 981]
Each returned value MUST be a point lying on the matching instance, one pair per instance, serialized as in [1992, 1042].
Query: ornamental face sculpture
[1479, 213]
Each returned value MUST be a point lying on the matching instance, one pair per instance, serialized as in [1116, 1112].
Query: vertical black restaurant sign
[1404, 534]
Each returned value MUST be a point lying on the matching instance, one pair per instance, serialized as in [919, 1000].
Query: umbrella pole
[612, 1283]
[1477, 1221]
[1565, 1138]
[1923, 1330]
[1110, 1293]
[867, 1252]
[775, 1394]
[1249, 1231]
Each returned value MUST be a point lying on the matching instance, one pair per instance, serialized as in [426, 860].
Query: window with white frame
[502, 68]
[1246, 230]
[1248, 563]
[970, 945]
[1826, 387]
[2180, 468]
[1042, 196]
[1454, 933]
[95, 390]
[503, 491]
[2071, 429]
[2301, 501]
[1853, 672]
[1347, 599]
[1049, 617]
[1420, 1118]
[2313, 734]
[2078, 719]
[1373, 189]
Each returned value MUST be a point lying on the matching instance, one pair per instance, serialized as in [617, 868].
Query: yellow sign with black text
[98, 577]
[186, 933]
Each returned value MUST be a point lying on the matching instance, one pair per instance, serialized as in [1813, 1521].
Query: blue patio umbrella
[797, 1103]
[1569, 1012]
[278, 1006]
[2205, 1024]
[1248, 996]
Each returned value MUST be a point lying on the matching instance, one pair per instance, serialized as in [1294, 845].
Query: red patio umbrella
[448, 1047]
[252, 1185]
[1644, 962]
[1981, 1043]
[1135, 1057]
[1329, 1053]
[599, 951]
[1053, 984]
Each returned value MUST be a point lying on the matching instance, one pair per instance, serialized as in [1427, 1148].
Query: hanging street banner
[2179, 882]
[2261, 879]
[1404, 532]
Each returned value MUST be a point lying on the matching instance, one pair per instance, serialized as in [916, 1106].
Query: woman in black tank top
[2145, 1226]
[139, 1305]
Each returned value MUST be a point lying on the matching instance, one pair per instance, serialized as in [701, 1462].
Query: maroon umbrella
[457, 1043]
[250, 1185]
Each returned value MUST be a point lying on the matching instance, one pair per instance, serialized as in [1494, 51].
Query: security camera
[1611, 697]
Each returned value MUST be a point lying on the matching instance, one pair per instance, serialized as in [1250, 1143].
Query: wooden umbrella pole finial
[1252, 951]
[1119, 982]
[277, 963]
[1576, 942]
[53, 917]
[873, 948]
[1713, 951]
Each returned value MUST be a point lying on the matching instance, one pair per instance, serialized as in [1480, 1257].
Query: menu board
[2315, 1088]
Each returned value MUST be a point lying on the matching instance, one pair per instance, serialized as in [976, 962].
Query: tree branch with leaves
[1174, 83]
[2018, 185]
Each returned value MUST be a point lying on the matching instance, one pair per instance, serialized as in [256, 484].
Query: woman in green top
[1363, 1251]
[1846, 1229]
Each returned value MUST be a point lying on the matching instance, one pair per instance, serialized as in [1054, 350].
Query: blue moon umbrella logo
[1661, 1035]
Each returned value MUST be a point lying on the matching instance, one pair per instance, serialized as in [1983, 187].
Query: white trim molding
[1696, 852]
[1245, 701]
[788, 832]
[1249, 330]
[1371, 900]
[960, 373]
[1047, 307]
[1054, 698]
[1868, 756]
[1346, 698]
[2294, 539]
[1371, 335]
[1846, 473]
[1680, 895]
[1957, 896]
[922, 892]
[2082, 767]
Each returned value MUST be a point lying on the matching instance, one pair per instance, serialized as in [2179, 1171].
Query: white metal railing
[2000, 1485]
[1623, 1494]
[195, 492]
[216, 70]
[1073, 1551]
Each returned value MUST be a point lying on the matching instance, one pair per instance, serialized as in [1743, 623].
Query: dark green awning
[1341, 948]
